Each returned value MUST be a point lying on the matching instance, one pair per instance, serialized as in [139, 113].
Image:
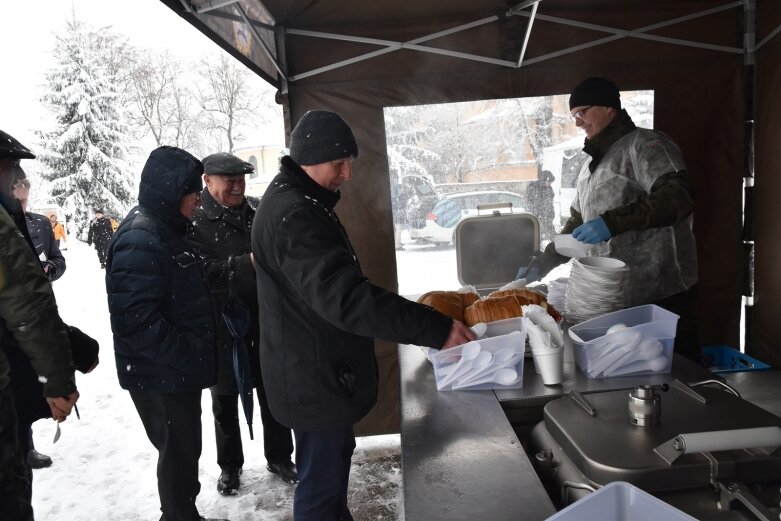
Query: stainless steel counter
[535, 393]
[460, 457]
[762, 388]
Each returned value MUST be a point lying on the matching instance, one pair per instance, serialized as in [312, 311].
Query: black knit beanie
[598, 92]
[321, 136]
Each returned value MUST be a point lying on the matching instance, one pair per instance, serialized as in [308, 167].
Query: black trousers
[102, 250]
[173, 424]
[15, 475]
[687, 338]
[277, 439]
[323, 462]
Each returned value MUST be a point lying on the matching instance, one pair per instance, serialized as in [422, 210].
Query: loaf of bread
[504, 304]
[490, 309]
[532, 296]
[450, 303]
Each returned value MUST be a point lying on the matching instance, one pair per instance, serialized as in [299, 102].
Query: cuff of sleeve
[58, 385]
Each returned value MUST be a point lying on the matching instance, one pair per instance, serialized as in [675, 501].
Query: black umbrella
[237, 318]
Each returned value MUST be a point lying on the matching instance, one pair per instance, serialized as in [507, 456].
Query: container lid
[491, 248]
[608, 447]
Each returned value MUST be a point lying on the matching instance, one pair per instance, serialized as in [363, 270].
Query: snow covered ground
[104, 465]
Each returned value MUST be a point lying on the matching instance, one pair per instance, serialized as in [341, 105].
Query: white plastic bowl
[605, 263]
[569, 246]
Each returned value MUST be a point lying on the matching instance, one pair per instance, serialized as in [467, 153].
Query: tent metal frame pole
[769, 37]
[391, 46]
[527, 35]
[212, 4]
[636, 33]
[271, 56]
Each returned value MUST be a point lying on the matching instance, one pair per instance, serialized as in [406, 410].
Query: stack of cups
[597, 285]
[547, 343]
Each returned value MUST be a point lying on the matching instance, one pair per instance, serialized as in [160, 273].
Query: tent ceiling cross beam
[414, 45]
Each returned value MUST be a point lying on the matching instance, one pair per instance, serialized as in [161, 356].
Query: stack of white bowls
[597, 285]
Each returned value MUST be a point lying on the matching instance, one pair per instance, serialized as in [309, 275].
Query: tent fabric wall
[766, 324]
[699, 102]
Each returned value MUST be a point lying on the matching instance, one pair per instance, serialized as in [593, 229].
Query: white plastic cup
[551, 365]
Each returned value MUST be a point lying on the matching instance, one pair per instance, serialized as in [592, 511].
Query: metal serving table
[762, 388]
[524, 406]
[460, 457]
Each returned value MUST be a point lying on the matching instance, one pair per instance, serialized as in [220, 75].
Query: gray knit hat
[598, 92]
[321, 136]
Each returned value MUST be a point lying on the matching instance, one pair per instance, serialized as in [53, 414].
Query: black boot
[228, 483]
[38, 460]
[286, 470]
[35, 459]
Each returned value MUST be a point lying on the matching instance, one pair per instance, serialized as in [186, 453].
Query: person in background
[100, 233]
[42, 235]
[221, 233]
[162, 322]
[58, 229]
[31, 326]
[634, 202]
[539, 197]
[53, 264]
[318, 314]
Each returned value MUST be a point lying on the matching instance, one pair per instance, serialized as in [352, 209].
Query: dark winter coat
[161, 314]
[30, 327]
[222, 237]
[100, 232]
[45, 246]
[318, 313]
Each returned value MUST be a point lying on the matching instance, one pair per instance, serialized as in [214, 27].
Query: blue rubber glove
[592, 232]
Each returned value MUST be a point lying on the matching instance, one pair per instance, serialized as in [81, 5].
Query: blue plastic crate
[724, 359]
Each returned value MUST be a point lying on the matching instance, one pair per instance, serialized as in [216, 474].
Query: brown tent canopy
[715, 68]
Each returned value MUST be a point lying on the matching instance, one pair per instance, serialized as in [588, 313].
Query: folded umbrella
[237, 319]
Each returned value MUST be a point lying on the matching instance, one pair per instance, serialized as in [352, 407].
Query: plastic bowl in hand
[603, 263]
[567, 245]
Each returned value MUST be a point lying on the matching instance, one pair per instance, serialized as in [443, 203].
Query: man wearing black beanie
[634, 202]
[319, 314]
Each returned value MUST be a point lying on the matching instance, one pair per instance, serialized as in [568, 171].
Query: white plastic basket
[649, 329]
[511, 346]
[620, 501]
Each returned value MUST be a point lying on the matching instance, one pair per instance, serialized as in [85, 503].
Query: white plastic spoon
[500, 360]
[478, 365]
[616, 344]
[468, 353]
[655, 365]
[645, 350]
[479, 329]
[504, 376]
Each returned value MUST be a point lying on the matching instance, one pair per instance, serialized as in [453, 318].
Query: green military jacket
[28, 314]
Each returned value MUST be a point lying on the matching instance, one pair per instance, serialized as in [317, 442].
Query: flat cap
[223, 163]
[10, 148]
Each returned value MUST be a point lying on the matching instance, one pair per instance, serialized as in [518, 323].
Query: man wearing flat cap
[634, 202]
[319, 314]
[221, 233]
[34, 343]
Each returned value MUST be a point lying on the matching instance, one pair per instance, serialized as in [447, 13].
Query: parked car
[451, 209]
